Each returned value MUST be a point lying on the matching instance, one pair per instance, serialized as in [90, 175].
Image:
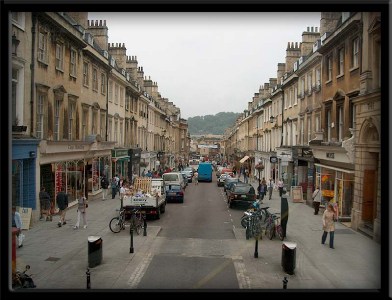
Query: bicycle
[137, 220]
[118, 223]
[273, 227]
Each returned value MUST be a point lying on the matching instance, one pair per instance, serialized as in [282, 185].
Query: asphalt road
[198, 245]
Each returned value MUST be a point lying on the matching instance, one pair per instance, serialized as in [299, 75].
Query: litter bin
[288, 257]
[94, 251]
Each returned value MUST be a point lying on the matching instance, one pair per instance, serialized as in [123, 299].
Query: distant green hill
[211, 124]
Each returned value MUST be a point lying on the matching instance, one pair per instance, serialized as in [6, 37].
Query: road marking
[138, 274]
[243, 280]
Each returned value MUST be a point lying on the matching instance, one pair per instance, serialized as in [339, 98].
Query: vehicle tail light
[181, 193]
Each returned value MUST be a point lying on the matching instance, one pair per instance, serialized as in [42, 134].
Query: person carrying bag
[316, 196]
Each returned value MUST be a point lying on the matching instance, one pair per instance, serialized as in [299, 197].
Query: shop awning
[244, 159]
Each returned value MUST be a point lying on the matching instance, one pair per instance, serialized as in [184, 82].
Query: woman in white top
[82, 205]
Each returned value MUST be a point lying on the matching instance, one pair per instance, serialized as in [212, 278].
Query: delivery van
[205, 171]
[173, 178]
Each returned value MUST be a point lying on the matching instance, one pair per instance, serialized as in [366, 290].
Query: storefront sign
[119, 152]
[296, 193]
[25, 215]
[307, 152]
[330, 155]
[75, 147]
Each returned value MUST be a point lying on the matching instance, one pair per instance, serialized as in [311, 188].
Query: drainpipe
[32, 67]
[281, 138]
[107, 105]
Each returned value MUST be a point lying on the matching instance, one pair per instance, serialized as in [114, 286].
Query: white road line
[138, 274]
[243, 280]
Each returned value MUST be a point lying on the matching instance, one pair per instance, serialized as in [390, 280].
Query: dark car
[241, 193]
[221, 179]
[229, 181]
[174, 193]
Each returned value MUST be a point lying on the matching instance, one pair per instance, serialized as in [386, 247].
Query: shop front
[334, 174]
[134, 162]
[120, 159]
[24, 186]
[285, 166]
[304, 171]
[75, 167]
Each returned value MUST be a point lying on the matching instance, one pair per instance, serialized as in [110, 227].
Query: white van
[173, 178]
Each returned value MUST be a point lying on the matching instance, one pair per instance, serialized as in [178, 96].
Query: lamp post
[272, 120]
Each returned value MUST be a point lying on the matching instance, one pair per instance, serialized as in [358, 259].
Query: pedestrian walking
[264, 183]
[316, 196]
[62, 204]
[114, 187]
[328, 225]
[82, 212]
[45, 203]
[284, 211]
[260, 191]
[280, 187]
[196, 176]
[122, 194]
[270, 187]
[104, 186]
[17, 223]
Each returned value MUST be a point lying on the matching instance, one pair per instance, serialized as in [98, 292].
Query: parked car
[241, 193]
[184, 175]
[221, 179]
[174, 193]
[228, 181]
[173, 178]
[218, 171]
[188, 175]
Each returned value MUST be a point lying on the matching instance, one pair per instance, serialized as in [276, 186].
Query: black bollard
[88, 279]
[256, 255]
[144, 226]
[131, 232]
[285, 283]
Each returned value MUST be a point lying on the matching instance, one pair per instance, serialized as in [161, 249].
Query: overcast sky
[208, 62]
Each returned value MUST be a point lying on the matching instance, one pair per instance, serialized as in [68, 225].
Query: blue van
[205, 171]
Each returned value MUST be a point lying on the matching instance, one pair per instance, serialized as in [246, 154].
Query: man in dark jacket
[62, 203]
[44, 200]
[284, 211]
[104, 186]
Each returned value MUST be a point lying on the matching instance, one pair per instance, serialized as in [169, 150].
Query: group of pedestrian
[62, 204]
[265, 187]
[328, 219]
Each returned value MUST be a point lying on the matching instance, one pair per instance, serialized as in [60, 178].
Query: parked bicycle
[136, 221]
[22, 280]
[118, 223]
[273, 227]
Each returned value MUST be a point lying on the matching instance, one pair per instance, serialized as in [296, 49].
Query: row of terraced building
[318, 122]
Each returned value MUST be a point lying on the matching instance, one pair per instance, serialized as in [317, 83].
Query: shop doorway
[369, 186]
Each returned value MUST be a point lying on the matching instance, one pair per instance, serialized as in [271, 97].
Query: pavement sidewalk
[59, 256]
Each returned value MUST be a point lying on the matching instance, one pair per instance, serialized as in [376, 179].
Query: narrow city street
[198, 244]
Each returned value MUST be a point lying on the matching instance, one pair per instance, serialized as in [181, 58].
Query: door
[369, 195]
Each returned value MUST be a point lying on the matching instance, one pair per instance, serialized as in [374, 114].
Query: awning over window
[244, 159]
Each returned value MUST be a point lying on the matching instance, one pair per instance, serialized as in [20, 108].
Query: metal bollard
[88, 279]
[144, 226]
[131, 248]
[256, 254]
[285, 283]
